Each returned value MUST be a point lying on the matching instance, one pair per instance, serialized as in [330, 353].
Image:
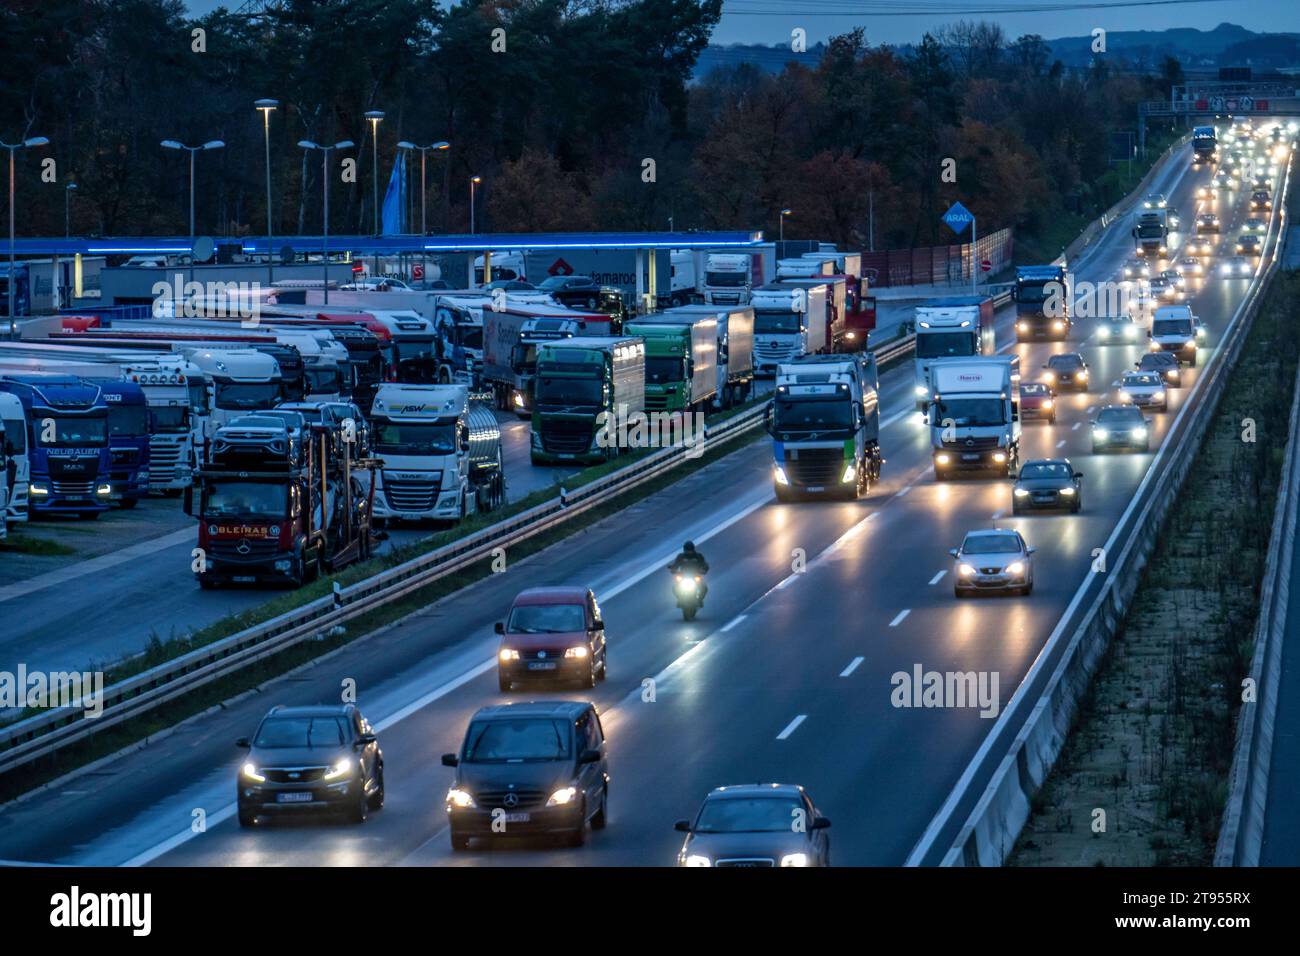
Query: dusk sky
[770, 21]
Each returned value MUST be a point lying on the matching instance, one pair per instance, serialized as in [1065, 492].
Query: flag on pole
[394, 209]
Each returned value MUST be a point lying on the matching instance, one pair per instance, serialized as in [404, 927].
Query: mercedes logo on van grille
[541, 654]
[243, 547]
[970, 442]
[511, 800]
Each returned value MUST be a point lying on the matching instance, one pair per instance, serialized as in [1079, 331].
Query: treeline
[577, 114]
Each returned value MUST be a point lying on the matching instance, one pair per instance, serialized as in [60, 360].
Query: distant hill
[1225, 45]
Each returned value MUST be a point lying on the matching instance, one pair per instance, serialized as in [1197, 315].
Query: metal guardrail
[31, 738]
[1023, 765]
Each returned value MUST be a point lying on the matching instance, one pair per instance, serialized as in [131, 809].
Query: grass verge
[17, 543]
[1153, 742]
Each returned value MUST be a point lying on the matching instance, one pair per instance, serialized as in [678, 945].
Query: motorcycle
[689, 590]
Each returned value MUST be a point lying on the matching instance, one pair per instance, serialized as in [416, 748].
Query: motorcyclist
[691, 561]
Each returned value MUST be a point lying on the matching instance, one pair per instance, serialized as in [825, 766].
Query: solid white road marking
[938, 577]
[791, 727]
[853, 665]
[734, 621]
[903, 491]
[898, 619]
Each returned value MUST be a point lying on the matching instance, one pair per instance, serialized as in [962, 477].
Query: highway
[783, 676]
[150, 589]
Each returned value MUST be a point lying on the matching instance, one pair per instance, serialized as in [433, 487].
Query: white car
[1143, 389]
[996, 559]
[1235, 267]
[1191, 266]
[1155, 201]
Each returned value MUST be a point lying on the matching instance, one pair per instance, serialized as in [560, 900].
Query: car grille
[542, 654]
[527, 797]
[815, 466]
[990, 571]
[244, 549]
[283, 774]
[74, 489]
[746, 861]
[569, 437]
[410, 495]
[973, 444]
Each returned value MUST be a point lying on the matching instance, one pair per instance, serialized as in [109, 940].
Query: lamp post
[266, 106]
[67, 210]
[473, 182]
[424, 226]
[211, 144]
[325, 226]
[375, 116]
[784, 213]
[29, 143]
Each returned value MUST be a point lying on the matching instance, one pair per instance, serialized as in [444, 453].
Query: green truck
[681, 359]
[583, 388]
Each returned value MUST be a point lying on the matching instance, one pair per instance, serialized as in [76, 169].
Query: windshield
[169, 418]
[324, 381]
[725, 279]
[967, 412]
[1139, 381]
[816, 415]
[747, 815]
[1045, 469]
[1064, 363]
[301, 732]
[238, 395]
[991, 544]
[552, 390]
[412, 347]
[554, 282]
[16, 435]
[128, 421]
[547, 619]
[1119, 416]
[471, 336]
[659, 369]
[1171, 327]
[414, 438]
[73, 432]
[228, 499]
[1151, 230]
[517, 739]
[1037, 291]
[944, 344]
[770, 322]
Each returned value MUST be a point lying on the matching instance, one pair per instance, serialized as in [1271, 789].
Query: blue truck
[67, 441]
[128, 441]
[1042, 296]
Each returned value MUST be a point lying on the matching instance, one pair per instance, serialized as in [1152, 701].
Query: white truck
[441, 454]
[17, 474]
[728, 278]
[951, 327]
[789, 321]
[974, 414]
[239, 380]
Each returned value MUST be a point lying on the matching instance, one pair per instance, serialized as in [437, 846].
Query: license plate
[244, 579]
[816, 488]
[293, 797]
[518, 817]
[541, 665]
[970, 457]
[564, 455]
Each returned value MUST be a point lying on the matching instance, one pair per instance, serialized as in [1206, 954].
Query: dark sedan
[756, 825]
[1048, 483]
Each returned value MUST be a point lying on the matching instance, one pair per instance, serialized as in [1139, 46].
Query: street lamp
[211, 144]
[67, 210]
[13, 279]
[325, 176]
[784, 213]
[375, 116]
[473, 181]
[266, 106]
[440, 145]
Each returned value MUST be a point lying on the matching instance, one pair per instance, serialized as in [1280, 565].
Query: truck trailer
[735, 349]
[789, 321]
[681, 359]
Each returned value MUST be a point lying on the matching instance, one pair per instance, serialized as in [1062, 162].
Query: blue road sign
[958, 217]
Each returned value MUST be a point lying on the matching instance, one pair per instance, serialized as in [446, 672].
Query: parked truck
[974, 414]
[728, 278]
[789, 321]
[511, 336]
[272, 510]
[859, 305]
[1042, 295]
[584, 386]
[441, 453]
[67, 443]
[951, 327]
[681, 359]
[825, 426]
[17, 474]
[836, 307]
[735, 349]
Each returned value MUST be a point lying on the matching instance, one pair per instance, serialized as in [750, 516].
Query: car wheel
[604, 669]
[601, 818]
[377, 798]
[247, 818]
[590, 680]
[459, 841]
[360, 810]
[959, 592]
[1015, 509]
[1078, 505]
[503, 683]
[579, 836]
[1028, 589]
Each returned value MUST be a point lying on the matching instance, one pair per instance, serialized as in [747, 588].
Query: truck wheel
[207, 584]
[128, 503]
[88, 515]
[247, 818]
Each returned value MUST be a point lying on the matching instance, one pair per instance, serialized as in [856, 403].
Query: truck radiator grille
[410, 495]
[814, 466]
[972, 444]
[74, 489]
[243, 549]
[566, 437]
[164, 457]
[655, 402]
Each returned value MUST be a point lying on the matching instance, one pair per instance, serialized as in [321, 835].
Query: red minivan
[552, 634]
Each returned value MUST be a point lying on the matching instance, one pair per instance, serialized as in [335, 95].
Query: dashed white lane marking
[791, 727]
[898, 619]
[938, 577]
[1061, 443]
[853, 665]
[1075, 426]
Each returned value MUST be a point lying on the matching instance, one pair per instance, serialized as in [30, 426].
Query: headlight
[1047, 404]
[579, 651]
[1158, 396]
[561, 797]
[1139, 433]
[1103, 331]
[1080, 376]
[941, 459]
[1050, 376]
[1057, 326]
[1125, 396]
[104, 491]
[1067, 490]
[1200, 332]
[1100, 433]
[1021, 493]
[250, 773]
[35, 489]
[685, 585]
[850, 474]
[778, 473]
[459, 798]
[999, 456]
[795, 859]
[341, 769]
[1022, 326]
[1016, 567]
[696, 859]
[921, 389]
[965, 570]
[519, 400]
[508, 654]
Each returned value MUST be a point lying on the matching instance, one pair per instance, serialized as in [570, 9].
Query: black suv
[529, 769]
[1067, 370]
[311, 758]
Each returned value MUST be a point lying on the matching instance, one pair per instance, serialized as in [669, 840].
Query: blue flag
[393, 213]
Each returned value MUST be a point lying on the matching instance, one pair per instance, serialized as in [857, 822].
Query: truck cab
[17, 472]
[681, 357]
[728, 278]
[950, 327]
[974, 415]
[1042, 296]
[585, 388]
[789, 321]
[128, 441]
